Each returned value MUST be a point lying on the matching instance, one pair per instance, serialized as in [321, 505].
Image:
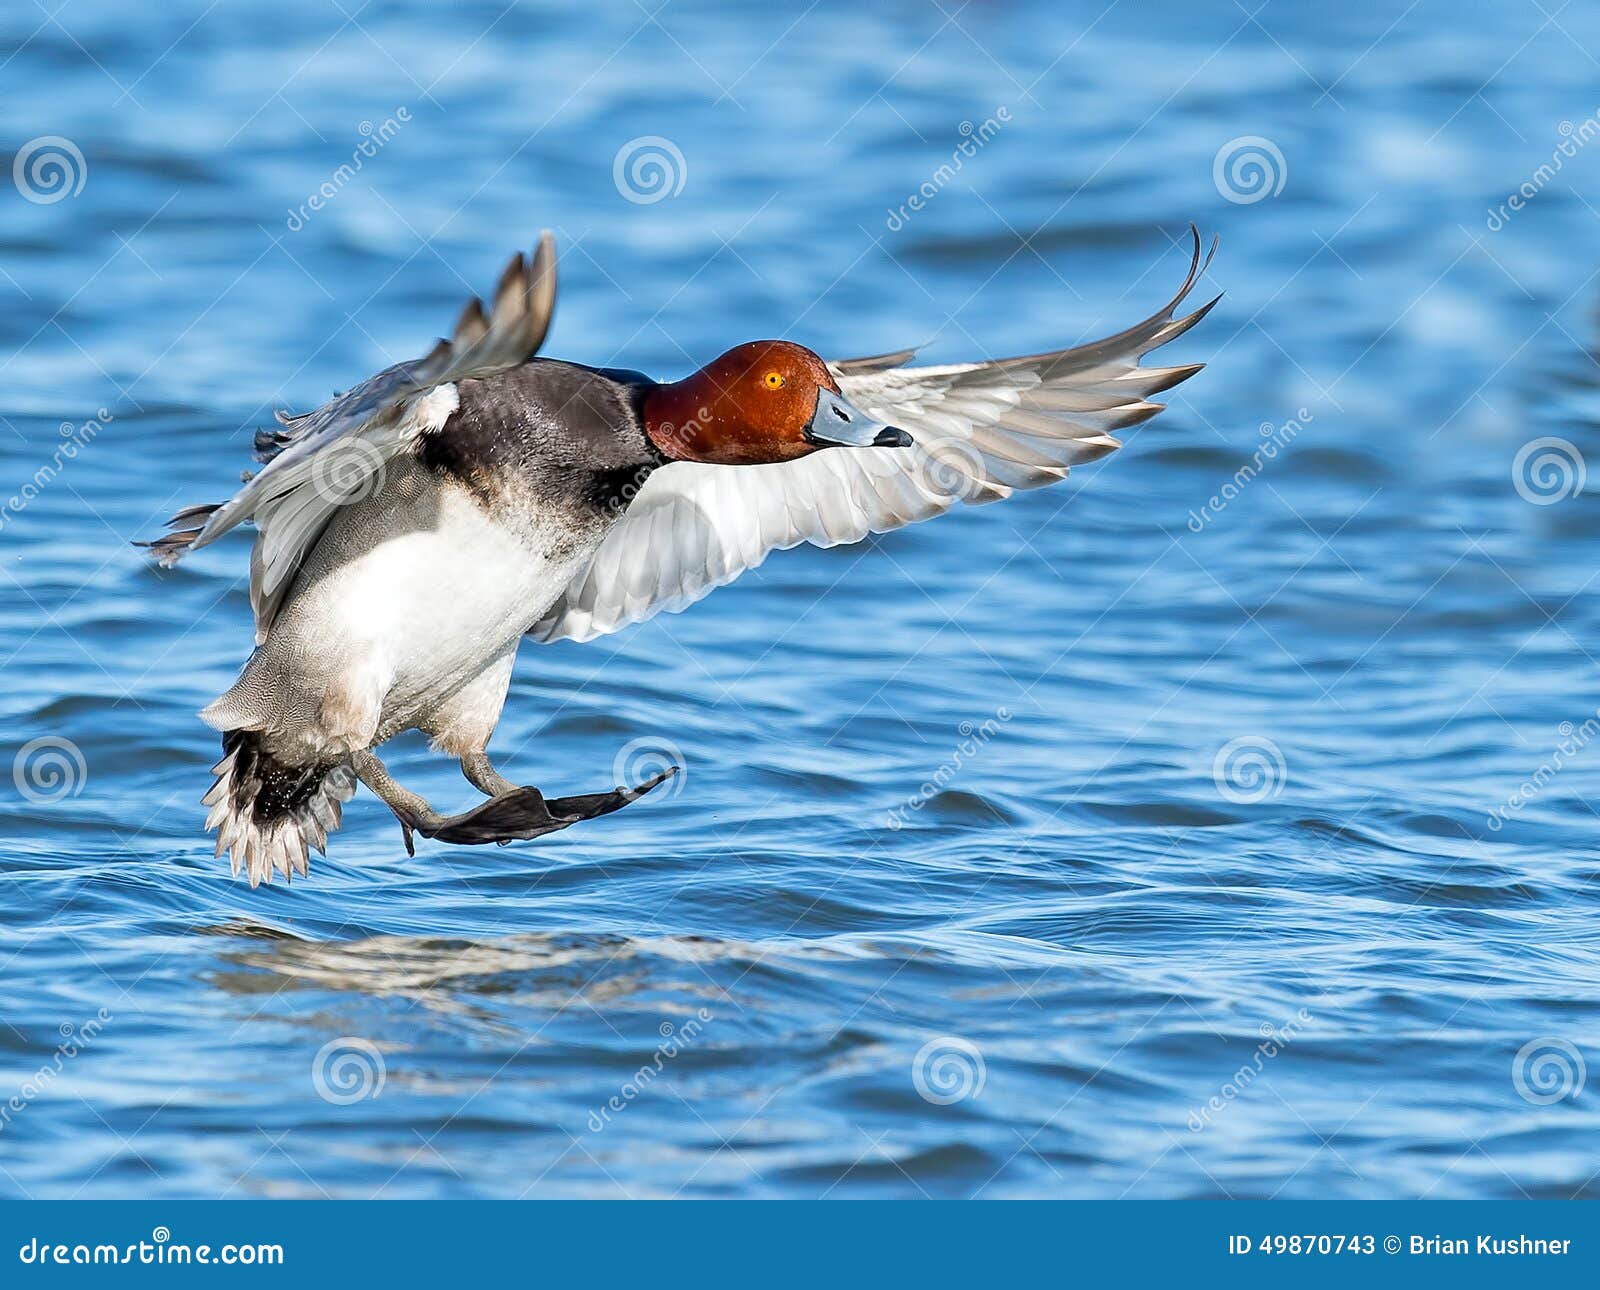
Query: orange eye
[774, 380]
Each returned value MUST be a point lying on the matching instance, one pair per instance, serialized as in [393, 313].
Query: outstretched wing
[979, 431]
[328, 458]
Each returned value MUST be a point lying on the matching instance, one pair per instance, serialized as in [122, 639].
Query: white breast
[406, 598]
[435, 604]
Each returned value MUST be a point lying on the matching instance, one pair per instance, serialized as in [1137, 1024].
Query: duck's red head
[762, 402]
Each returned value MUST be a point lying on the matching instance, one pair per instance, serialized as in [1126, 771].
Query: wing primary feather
[872, 363]
[472, 326]
[510, 295]
[541, 292]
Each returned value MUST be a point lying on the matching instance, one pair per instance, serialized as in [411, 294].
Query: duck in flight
[411, 532]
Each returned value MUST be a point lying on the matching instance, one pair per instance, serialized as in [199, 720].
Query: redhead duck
[413, 530]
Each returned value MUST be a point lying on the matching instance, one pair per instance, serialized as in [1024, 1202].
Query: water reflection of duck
[413, 530]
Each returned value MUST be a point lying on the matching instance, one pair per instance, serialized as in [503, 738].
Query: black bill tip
[892, 437]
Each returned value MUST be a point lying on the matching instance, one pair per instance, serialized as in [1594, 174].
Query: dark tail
[268, 814]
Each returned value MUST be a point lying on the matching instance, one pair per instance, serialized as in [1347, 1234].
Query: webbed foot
[515, 815]
[526, 813]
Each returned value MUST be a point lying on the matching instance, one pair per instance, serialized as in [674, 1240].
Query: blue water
[1055, 975]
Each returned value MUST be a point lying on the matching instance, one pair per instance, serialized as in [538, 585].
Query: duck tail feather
[268, 814]
[187, 524]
